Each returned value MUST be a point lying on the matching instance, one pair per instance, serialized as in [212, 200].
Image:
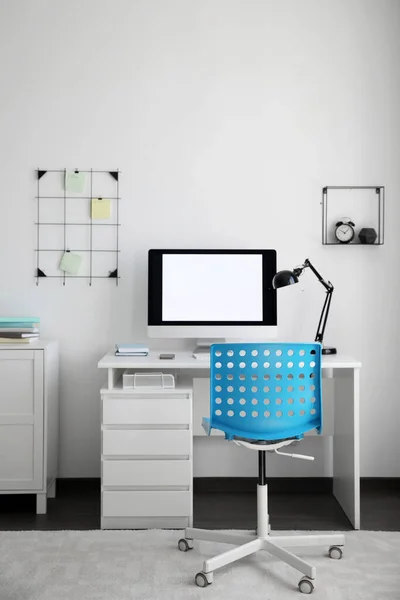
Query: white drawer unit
[154, 410]
[29, 420]
[147, 458]
[146, 442]
[146, 504]
[146, 473]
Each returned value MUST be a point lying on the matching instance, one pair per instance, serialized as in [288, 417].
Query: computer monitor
[212, 294]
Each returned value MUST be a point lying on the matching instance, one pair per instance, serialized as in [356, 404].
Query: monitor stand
[202, 350]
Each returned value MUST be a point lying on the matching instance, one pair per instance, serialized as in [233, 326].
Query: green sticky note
[101, 208]
[75, 181]
[70, 263]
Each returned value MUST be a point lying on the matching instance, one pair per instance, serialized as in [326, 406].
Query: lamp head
[284, 278]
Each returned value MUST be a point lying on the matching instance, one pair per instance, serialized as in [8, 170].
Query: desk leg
[346, 443]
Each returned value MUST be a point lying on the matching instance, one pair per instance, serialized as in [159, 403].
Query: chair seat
[262, 445]
[263, 442]
[256, 437]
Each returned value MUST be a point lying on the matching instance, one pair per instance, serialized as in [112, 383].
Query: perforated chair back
[266, 391]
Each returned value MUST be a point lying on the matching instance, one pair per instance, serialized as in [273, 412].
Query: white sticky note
[75, 181]
[101, 208]
[70, 263]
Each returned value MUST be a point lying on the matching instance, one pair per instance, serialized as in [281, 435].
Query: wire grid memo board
[67, 227]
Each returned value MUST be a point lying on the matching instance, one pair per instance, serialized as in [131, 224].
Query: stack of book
[131, 350]
[19, 330]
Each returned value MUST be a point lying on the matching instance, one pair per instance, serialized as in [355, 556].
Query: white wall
[226, 117]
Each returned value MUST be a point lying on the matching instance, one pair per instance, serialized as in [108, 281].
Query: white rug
[121, 565]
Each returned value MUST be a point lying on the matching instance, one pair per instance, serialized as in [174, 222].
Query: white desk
[346, 440]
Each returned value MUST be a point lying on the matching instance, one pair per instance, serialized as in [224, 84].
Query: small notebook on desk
[131, 350]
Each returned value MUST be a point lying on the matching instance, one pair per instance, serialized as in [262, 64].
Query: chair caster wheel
[201, 580]
[306, 586]
[184, 546]
[335, 552]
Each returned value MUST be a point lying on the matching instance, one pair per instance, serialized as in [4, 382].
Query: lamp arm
[327, 304]
[324, 317]
[327, 284]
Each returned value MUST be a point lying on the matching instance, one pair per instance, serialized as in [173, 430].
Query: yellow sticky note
[101, 208]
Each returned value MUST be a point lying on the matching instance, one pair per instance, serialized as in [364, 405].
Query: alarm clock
[344, 230]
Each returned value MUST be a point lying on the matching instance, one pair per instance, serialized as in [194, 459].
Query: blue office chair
[264, 397]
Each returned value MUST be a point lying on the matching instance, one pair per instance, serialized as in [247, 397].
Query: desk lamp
[284, 278]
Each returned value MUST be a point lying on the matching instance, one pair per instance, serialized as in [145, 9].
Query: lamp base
[329, 350]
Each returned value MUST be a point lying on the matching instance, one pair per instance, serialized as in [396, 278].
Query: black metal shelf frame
[40, 274]
[380, 192]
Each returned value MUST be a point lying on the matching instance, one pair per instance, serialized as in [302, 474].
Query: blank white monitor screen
[207, 293]
[212, 287]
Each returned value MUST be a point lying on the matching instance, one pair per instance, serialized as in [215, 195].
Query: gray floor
[139, 565]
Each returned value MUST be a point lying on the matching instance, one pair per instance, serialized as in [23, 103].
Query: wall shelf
[364, 205]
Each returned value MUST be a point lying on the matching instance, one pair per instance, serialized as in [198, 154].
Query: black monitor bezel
[154, 309]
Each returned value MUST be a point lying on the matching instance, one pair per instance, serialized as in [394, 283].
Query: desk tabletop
[186, 360]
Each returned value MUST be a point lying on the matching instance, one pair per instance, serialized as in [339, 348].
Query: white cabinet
[29, 420]
[147, 465]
